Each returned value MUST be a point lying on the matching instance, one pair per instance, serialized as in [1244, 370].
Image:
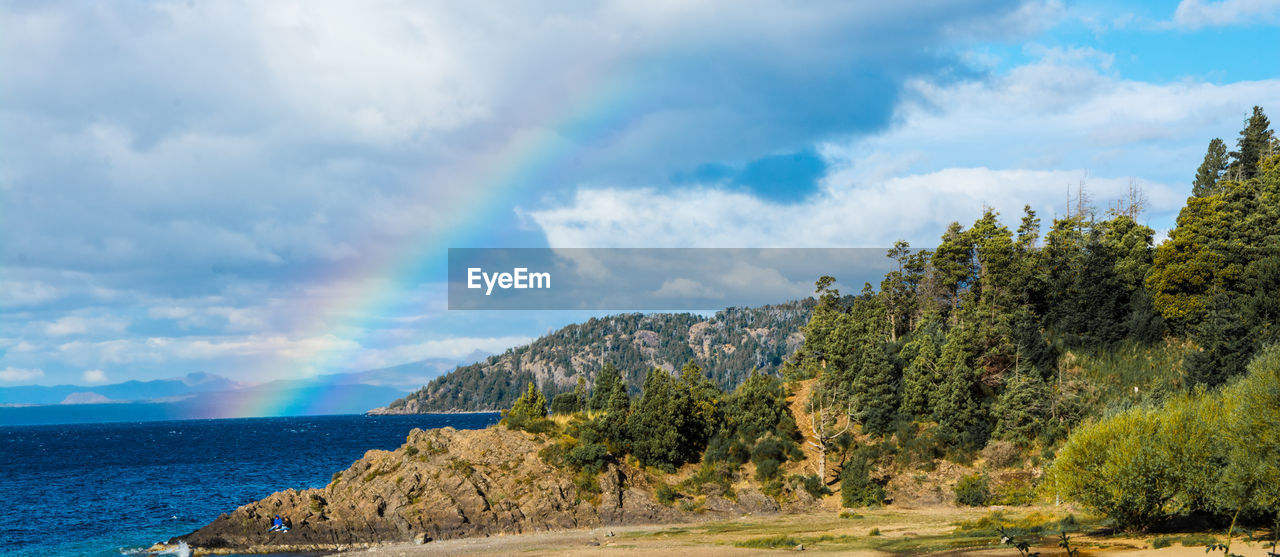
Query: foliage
[973, 490]
[629, 344]
[857, 489]
[529, 412]
[672, 421]
[1204, 451]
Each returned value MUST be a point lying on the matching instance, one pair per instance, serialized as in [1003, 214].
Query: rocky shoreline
[445, 484]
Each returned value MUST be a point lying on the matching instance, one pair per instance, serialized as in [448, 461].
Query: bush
[811, 485]
[566, 403]
[856, 487]
[1141, 465]
[973, 491]
[768, 457]
[666, 494]
[1001, 454]
[529, 412]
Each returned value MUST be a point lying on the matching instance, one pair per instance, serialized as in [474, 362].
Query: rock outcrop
[447, 483]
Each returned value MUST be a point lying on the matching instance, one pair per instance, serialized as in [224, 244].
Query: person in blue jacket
[277, 524]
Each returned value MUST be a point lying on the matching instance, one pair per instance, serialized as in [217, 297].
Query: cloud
[26, 293]
[1023, 137]
[77, 325]
[18, 375]
[456, 348]
[1194, 14]
[94, 377]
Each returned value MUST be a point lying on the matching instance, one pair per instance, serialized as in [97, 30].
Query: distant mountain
[128, 391]
[405, 377]
[727, 345]
[277, 398]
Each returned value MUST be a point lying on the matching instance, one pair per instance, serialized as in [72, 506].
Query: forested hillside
[1137, 380]
[728, 345]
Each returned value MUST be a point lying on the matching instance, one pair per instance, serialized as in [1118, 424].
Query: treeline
[968, 336]
[963, 348]
[676, 419]
[728, 346]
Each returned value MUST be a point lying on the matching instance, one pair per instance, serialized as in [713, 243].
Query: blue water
[102, 489]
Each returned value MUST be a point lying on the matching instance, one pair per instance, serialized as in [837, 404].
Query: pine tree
[1022, 408]
[1211, 170]
[606, 380]
[877, 396]
[921, 374]
[958, 404]
[1226, 344]
[1254, 143]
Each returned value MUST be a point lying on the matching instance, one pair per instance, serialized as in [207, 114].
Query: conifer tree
[604, 386]
[1254, 143]
[1211, 170]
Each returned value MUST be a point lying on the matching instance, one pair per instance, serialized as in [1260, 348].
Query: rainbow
[480, 195]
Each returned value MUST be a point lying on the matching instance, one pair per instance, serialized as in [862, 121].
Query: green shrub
[973, 491]
[666, 494]
[768, 456]
[856, 487]
[1142, 465]
[1161, 542]
[811, 484]
[1251, 479]
[566, 403]
[529, 412]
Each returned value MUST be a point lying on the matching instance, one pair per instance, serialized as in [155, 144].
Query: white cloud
[77, 325]
[15, 375]
[94, 377]
[1033, 132]
[26, 293]
[1192, 14]
[452, 348]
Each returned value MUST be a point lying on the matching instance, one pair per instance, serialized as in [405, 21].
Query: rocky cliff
[448, 484]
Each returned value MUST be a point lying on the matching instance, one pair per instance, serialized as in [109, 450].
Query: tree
[1022, 408]
[1225, 345]
[1211, 170]
[669, 424]
[878, 396]
[959, 406]
[829, 417]
[856, 486]
[527, 410]
[604, 386]
[953, 264]
[899, 288]
[921, 374]
[1254, 142]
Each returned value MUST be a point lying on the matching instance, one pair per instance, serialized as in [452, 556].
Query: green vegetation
[737, 341]
[1117, 365]
[1209, 452]
[973, 491]
[529, 412]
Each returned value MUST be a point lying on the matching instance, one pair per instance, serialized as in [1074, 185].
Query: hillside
[727, 346]
[446, 483]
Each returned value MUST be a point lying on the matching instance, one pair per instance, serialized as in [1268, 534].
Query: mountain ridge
[727, 345]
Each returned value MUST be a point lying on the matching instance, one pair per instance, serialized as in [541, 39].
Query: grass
[1115, 373]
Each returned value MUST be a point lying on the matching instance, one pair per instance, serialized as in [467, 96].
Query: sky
[267, 190]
